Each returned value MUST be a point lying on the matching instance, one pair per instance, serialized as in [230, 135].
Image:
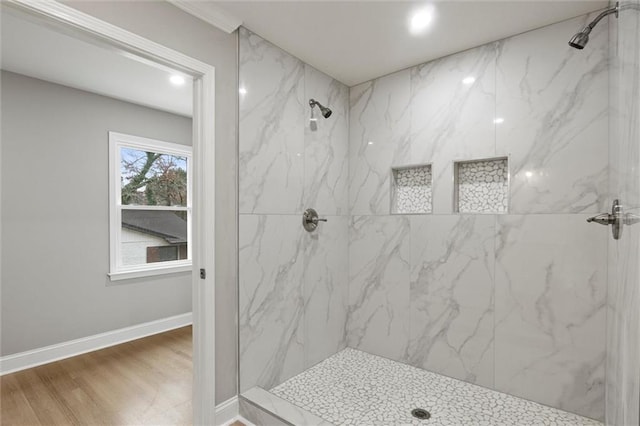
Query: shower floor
[356, 388]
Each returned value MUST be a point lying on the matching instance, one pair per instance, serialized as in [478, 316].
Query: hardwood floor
[143, 382]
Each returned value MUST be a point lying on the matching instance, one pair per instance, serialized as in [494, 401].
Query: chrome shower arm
[580, 40]
[615, 9]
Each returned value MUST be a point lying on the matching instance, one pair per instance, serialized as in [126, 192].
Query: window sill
[141, 273]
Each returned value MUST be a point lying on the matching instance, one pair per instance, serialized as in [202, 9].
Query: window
[150, 206]
[166, 253]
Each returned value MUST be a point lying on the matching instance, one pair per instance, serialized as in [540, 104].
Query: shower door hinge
[203, 273]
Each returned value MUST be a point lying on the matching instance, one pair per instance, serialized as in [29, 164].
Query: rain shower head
[326, 112]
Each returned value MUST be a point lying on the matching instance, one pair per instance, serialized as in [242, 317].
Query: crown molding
[210, 14]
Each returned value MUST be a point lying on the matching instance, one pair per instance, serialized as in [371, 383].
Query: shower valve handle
[603, 219]
[615, 219]
[310, 220]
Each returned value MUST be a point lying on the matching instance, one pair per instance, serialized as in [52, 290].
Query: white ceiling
[41, 52]
[355, 41]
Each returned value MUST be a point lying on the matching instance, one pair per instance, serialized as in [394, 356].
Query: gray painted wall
[165, 24]
[55, 216]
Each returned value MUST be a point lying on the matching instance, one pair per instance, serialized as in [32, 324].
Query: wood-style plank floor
[143, 382]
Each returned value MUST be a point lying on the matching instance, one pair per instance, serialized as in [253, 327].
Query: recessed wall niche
[411, 189]
[482, 186]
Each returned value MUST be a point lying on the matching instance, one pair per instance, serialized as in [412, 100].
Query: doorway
[54, 218]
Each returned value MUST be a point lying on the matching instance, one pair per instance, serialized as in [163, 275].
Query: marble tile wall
[513, 301]
[553, 100]
[378, 295]
[272, 121]
[623, 318]
[451, 120]
[293, 284]
[451, 299]
[550, 310]
[378, 140]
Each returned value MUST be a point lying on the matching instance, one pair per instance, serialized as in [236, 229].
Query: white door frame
[203, 244]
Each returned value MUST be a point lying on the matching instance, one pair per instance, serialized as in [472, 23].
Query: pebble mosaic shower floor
[356, 388]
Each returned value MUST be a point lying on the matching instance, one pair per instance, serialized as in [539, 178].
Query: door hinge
[203, 273]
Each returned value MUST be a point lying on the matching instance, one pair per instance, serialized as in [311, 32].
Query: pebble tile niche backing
[356, 388]
[411, 190]
[482, 186]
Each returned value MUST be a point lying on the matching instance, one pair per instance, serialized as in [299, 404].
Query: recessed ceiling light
[178, 80]
[420, 20]
[469, 80]
[499, 120]
[370, 143]
[242, 91]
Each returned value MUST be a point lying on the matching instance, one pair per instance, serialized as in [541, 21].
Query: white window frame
[118, 271]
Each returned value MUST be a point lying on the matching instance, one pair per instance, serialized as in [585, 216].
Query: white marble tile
[282, 408]
[614, 409]
[452, 116]
[623, 320]
[257, 416]
[326, 171]
[550, 310]
[553, 100]
[452, 268]
[379, 285]
[623, 331]
[326, 285]
[271, 299]
[378, 140]
[271, 134]
[356, 388]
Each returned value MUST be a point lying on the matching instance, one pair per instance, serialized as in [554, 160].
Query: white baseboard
[47, 354]
[228, 412]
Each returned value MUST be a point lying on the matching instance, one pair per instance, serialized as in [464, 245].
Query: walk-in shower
[511, 310]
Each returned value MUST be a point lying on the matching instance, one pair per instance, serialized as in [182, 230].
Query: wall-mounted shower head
[580, 40]
[326, 112]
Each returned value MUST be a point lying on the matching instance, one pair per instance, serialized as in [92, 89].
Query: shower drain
[421, 414]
